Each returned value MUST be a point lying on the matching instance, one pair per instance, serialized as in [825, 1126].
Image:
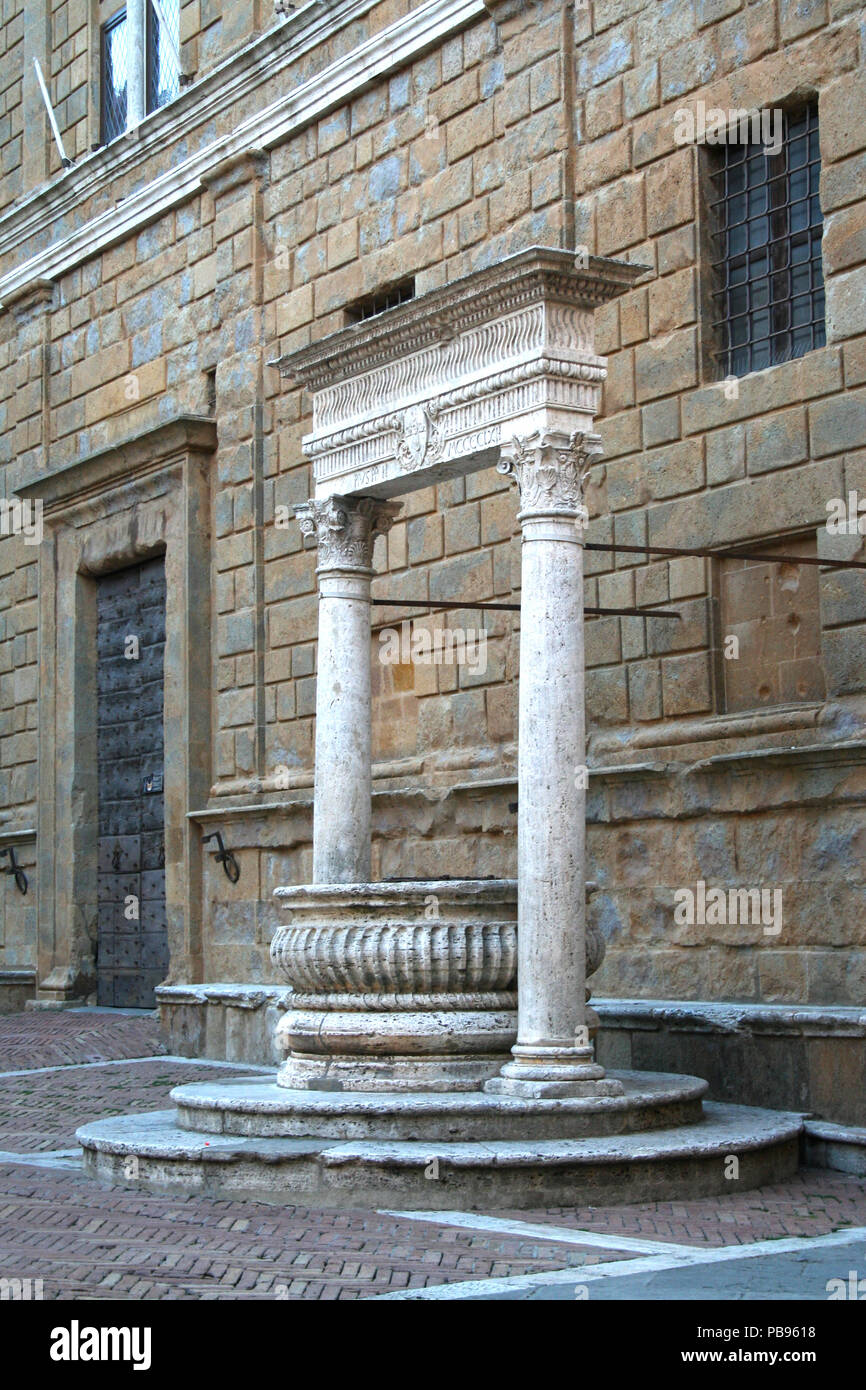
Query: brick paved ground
[813, 1203]
[57, 1225]
[49, 1039]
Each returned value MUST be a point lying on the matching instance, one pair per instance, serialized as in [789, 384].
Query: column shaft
[551, 809]
[346, 529]
[343, 782]
[553, 1055]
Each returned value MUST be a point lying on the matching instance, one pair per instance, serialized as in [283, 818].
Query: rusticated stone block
[777, 441]
[606, 695]
[838, 423]
[667, 365]
[686, 684]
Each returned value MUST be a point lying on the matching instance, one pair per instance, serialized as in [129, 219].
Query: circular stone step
[151, 1152]
[265, 1110]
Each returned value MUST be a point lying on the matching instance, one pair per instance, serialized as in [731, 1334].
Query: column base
[536, 1073]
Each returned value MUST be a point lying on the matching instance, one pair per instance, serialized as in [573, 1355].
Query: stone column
[345, 528]
[553, 1055]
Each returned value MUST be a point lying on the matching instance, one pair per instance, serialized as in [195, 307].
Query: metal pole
[64, 158]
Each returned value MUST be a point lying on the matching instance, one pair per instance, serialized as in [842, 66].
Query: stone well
[409, 1078]
[398, 986]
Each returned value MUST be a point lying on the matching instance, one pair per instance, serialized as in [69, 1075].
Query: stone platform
[335, 1148]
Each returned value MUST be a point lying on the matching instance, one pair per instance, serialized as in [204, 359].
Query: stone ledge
[17, 988]
[690, 1016]
[237, 996]
[841, 1147]
[223, 1021]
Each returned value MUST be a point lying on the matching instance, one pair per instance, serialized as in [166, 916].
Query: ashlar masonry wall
[294, 181]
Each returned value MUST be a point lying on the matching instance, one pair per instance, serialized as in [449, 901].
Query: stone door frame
[145, 496]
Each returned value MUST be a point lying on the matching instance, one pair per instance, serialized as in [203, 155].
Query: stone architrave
[345, 529]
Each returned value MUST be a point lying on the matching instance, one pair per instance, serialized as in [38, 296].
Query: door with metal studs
[132, 939]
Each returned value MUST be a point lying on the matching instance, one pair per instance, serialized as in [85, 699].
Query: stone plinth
[684, 1159]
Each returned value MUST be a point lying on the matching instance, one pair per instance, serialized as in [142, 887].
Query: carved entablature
[346, 529]
[435, 387]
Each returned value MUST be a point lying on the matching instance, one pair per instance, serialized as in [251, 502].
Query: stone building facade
[318, 163]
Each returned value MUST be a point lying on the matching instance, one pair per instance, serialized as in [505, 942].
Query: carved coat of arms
[420, 439]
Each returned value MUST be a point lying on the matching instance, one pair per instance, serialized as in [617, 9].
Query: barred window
[769, 286]
[374, 304]
[115, 71]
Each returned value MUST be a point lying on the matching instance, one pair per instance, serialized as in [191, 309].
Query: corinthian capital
[550, 470]
[346, 528]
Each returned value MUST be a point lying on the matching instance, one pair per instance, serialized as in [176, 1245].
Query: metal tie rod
[728, 555]
[515, 607]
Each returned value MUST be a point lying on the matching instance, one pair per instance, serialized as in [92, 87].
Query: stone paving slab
[810, 1275]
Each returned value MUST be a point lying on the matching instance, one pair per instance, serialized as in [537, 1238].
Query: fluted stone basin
[398, 986]
[416, 938]
[407, 985]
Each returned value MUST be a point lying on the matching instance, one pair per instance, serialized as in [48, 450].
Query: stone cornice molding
[434, 387]
[540, 273]
[345, 529]
[236, 169]
[137, 457]
[36, 294]
[385, 52]
[550, 471]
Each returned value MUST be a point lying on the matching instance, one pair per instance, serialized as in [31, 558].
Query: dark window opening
[115, 72]
[769, 284]
[378, 303]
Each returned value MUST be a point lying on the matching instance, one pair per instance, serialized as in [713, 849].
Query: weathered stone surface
[683, 1161]
[174, 303]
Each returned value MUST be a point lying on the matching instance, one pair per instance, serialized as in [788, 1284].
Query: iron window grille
[163, 52]
[375, 304]
[769, 294]
[115, 72]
